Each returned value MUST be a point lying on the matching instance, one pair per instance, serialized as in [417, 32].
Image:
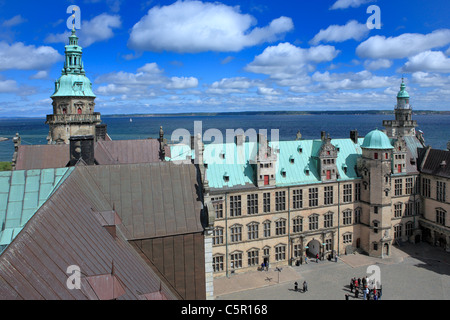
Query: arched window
[79, 111]
[64, 111]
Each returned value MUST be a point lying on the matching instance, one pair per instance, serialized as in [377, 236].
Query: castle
[239, 204]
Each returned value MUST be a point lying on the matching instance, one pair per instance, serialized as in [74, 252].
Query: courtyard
[412, 272]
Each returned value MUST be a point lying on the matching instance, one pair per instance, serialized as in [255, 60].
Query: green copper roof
[403, 93]
[298, 167]
[377, 139]
[22, 193]
[73, 81]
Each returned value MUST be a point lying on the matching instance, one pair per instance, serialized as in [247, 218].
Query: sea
[436, 127]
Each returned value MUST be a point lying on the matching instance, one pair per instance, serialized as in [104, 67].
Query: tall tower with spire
[403, 125]
[73, 99]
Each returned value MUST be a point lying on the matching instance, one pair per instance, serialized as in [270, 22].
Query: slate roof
[153, 199]
[65, 231]
[105, 152]
[436, 162]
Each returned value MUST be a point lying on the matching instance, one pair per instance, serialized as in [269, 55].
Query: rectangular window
[328, 244]
[280, 200]
[235, 206]
[236, 233]
[297, 198]
[440, 191]
[266, 229]
[253, 258]
[358, 192]
[409, 186]
[328, 195]
[217, 236]
[328, 220]
[426, 191]
[297, 224]
[313, 197]
[253, 231]
[397, 232]
[409, 229]
[280, 253]
[398, 187]
[266, 202]
[347, 238]
[440, 216]
[236, 260]
[398, 210]
[217, 203]
[252, 203]
[347, 193]
[314, 222]
[347, 217]
[358, 215]
[409, 209]
[280, 227]
[218, 263]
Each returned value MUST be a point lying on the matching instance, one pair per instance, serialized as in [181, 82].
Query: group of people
[305, 286]
[369, 289]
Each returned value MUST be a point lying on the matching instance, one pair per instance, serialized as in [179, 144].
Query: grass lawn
[5, 166]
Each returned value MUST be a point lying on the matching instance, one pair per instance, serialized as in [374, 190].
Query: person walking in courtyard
[305, 286]
[351, 285]
[295, 286]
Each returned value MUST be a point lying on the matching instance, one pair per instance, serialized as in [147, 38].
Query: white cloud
[146, 82]
[344, 4]
[23, 57]
[268, 91]
[431, 61]
[99, 28]
[425, 79]
[14, 21]
[232, 85]
[405, 45]
[8, 86]
[286, 60]
[182, 83]
[193, 26]
[43, 74]
[378, 64]
[350, 81]
[335, 33]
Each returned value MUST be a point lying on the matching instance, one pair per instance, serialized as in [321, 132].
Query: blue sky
[213, 56]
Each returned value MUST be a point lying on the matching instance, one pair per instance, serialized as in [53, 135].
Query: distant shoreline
[257, 113]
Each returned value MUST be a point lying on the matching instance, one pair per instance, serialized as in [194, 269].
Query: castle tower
[403, 125]
[375, 168]
[73, 99]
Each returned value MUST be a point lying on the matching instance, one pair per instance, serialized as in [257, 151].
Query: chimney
[162, 144]
[82, 148]
[16, 141]
[323, 135]
[100, 132]
[239, 139]
[354, 136]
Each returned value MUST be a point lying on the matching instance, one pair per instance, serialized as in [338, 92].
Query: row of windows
[411, 186]
[280, 200]
[406, 209]
[254, 232]
[253, 258]
[440, 189]
[409, 227]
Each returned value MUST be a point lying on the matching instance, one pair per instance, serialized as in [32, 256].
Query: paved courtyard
[413, 272]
